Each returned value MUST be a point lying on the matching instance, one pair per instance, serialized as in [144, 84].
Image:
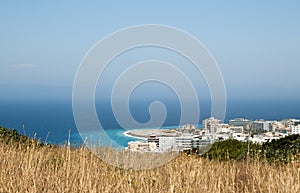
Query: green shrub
[283, 149]
[232, 149]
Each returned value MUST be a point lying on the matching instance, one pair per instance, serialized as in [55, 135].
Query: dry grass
[44, 169]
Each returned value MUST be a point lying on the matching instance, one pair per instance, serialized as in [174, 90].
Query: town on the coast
[190, 137]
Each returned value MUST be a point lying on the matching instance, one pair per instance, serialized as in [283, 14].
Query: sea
[52, 121]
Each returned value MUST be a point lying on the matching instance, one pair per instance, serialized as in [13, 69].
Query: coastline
[129, 134]
[144, 134]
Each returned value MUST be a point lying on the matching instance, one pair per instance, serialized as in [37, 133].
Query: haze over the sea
[255, 44]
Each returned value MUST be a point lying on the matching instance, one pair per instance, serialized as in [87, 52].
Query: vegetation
[12, 137]
[232, 149]
[50, 169]
[283, 150]
[8, 135]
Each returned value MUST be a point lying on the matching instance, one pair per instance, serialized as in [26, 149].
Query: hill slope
[52, 169]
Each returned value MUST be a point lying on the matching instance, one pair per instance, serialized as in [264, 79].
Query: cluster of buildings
[185, 138]
[242, 125]
[190, 137]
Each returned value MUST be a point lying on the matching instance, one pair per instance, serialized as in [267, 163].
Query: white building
[166, 143]
[184, 143]
[261, 125]
[223, 130]
[236, 129]
[276, 125]
[239, 122]
[295, 129]
[141, 146]
[211, 124]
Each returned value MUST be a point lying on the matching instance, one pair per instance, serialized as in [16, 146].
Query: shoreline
[144, 134]
[128, 134]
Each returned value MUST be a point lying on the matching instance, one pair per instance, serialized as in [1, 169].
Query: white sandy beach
[146, 133]
[129, 134]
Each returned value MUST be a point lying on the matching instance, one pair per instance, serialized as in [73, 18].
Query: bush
[8, 136]
[232, 149]
[283, 150]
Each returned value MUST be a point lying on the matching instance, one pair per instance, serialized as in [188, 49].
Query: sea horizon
[52, 121]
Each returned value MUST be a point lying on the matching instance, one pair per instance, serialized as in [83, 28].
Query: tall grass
[51, 169]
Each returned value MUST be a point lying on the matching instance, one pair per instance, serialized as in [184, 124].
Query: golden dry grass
[45, 169]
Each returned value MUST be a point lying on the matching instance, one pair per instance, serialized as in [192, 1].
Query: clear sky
[255, 43]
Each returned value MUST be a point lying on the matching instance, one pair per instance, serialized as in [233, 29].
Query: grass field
[30, 168]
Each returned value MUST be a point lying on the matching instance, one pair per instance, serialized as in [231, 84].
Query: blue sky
[255, 43]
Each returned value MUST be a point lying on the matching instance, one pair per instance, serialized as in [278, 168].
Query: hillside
[35, 168]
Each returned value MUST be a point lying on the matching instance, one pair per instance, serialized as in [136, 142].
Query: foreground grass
[36, 168]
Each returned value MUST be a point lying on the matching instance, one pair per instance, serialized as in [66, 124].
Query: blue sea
[53, 121]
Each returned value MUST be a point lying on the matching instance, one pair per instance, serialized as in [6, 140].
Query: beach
[144, 134]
